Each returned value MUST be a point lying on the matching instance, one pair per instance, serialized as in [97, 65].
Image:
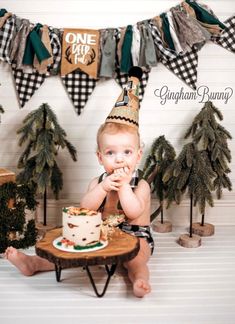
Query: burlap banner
[80, 49]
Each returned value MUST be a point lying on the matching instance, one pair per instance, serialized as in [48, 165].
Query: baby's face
[119, 150]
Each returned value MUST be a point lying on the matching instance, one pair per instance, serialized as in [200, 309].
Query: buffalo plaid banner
[122, 80]
[79, 86]
[184, 66]
[26, 84]
[6, 35]
[227, 37]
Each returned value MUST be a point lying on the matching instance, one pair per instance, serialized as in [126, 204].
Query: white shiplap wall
[216, 70]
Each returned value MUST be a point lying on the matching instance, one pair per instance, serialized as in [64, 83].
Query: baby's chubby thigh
[142, 257]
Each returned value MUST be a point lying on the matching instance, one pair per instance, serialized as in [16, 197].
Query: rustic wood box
[6, 176]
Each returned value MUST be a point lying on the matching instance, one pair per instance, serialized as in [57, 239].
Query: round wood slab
[121, 247]
[164, 227]
[205, 230]
[189, 242]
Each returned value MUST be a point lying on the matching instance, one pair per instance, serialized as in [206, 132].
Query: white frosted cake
[81, 227]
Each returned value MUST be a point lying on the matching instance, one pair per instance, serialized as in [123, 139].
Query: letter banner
[80, 49]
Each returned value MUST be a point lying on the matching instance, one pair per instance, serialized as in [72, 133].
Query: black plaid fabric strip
[227, 37]
[26, 84]
[122, 80]
[162, 52]
[6, 34]
[55, 39]
[79, 86]
[184, 66]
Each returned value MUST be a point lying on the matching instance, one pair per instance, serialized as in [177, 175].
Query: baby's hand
[111, 182]
[124, 175]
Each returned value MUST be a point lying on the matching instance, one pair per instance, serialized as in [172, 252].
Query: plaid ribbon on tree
[227, 38]
[26, 84]
[79, 86]
[122, 80]
[6, 35]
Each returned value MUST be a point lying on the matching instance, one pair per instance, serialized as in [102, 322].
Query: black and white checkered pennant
[79, 86]
[6, 34]
[227, 37]
[122, 80]
[26, 84]
[185, 67]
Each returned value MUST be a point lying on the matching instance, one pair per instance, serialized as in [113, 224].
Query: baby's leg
[138, 271]
[26, 264]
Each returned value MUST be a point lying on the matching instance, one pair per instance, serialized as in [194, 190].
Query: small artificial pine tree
[44, 138]
[212, 138]
[14, 230]
[162, 154]
[192, 172]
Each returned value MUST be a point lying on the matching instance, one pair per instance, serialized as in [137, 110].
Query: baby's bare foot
[141, 288]
[20, 260]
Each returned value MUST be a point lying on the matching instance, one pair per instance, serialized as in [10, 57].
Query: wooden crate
[6, 176]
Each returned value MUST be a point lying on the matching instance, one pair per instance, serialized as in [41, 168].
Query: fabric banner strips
[80, 49]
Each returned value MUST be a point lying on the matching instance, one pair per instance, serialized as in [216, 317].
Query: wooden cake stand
[121, 247]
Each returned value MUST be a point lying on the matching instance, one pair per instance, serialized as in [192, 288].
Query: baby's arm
[96, 192]
[134, 202]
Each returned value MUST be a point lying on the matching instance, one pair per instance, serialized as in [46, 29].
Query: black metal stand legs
[110, 272]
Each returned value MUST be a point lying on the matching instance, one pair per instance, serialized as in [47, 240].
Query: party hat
[126, 109]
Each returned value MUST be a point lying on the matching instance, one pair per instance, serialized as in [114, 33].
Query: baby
[119, 152]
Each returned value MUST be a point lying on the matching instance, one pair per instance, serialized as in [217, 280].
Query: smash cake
[82, 229]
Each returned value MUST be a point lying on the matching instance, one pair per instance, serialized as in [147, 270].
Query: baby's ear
[99, 156]
[140, 153]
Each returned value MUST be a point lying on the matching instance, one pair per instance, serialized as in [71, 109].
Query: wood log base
[205, 230]
[189, 242]
[164, 227]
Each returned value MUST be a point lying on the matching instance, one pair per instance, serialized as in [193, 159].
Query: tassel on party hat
[126, 109]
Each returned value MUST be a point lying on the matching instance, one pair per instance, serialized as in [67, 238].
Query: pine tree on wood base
[212, 138]
[43, 137]
[162, 154]
[190, 173]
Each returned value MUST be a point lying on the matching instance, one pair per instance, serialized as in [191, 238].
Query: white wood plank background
[216, 70]
[189, 286]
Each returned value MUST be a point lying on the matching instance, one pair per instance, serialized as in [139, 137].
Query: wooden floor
[188, 286]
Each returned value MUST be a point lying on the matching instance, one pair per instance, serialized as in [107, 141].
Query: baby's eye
[109, 153]
[127, 152]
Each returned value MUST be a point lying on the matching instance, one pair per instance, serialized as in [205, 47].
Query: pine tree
[162, 154]
[14, 229]
[190, 173]
[43, 137]
[212, 138]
